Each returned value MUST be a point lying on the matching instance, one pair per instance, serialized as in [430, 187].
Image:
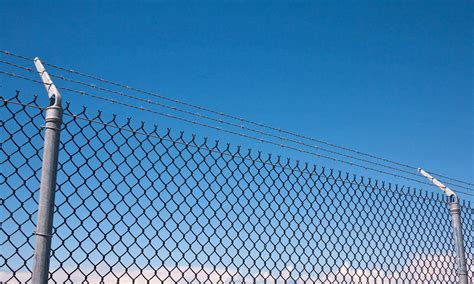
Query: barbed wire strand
[234, 117]
[217, 120]
[280, 130]
[225, 130]
[229, 154]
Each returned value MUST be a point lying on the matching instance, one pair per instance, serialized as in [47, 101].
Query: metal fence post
[458, 239]
[48, 180]
[457, 227]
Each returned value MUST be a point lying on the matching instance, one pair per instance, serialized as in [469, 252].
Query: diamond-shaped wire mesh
[140, 205]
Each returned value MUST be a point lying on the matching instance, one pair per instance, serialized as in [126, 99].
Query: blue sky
[392, 79]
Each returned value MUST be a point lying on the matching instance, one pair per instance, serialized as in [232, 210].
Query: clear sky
[389, 78]
[392, 79]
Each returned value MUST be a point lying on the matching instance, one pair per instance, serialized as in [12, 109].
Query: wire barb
[222, 121]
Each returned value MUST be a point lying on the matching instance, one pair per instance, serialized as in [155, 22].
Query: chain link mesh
[141, 205]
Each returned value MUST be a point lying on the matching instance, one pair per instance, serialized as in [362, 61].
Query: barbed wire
[257, 124]
[227, 153]
[217, 120]
[227, 131]
[234, 117]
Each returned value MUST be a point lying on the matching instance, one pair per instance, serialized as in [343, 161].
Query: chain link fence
[142, 205]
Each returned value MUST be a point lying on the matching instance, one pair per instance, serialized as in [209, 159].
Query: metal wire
[307, 169]
[243, 127]
[136, 205]
[228, 131]
[236, 118]
[219, 121]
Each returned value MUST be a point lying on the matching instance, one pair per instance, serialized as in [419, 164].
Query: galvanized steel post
[457, 227]
[48, 179]
[458, 239]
